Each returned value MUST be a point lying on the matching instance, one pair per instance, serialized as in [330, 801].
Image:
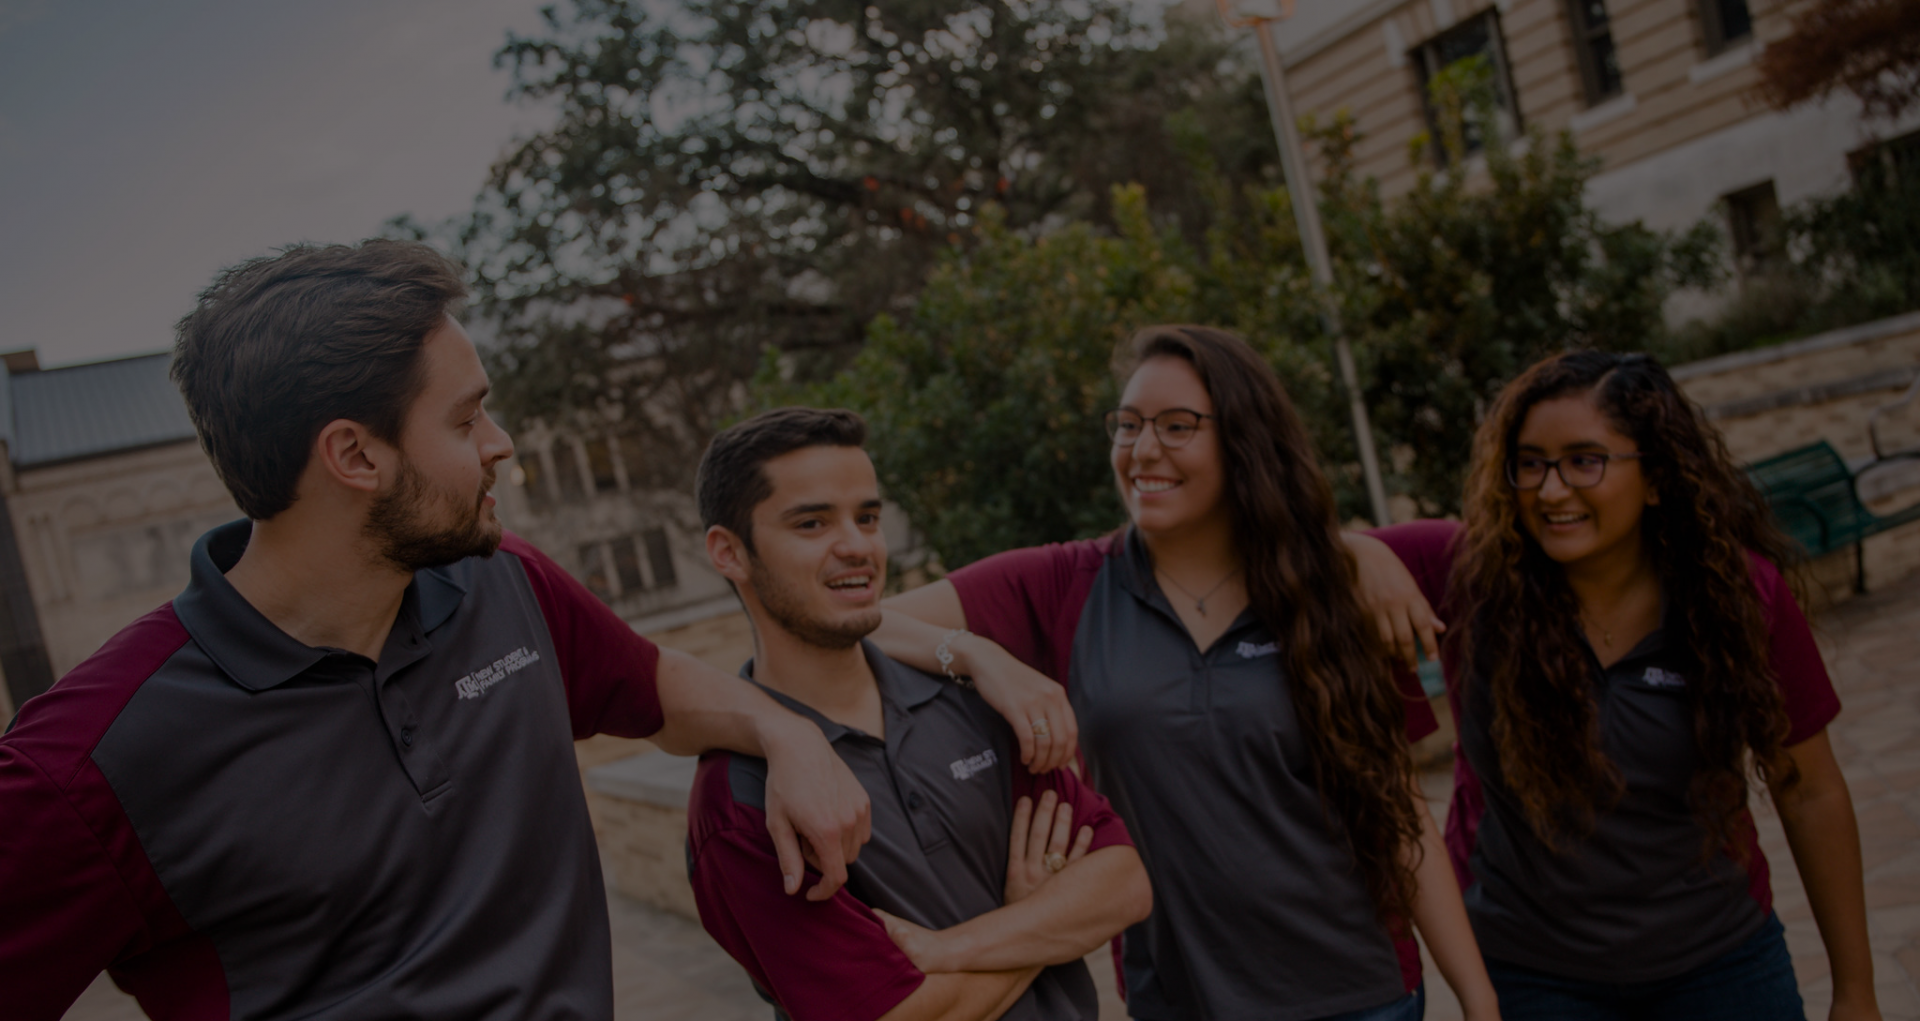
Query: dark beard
[393, 523]
[786, 611]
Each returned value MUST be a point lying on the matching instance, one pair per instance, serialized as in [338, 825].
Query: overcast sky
[145, 144]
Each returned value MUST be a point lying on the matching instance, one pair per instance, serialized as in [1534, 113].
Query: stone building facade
[105, 489]
[1660, 91]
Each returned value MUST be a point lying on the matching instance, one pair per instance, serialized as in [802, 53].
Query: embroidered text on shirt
[1248, 650]
[1663, 678]
[476, 684]
[967, 767]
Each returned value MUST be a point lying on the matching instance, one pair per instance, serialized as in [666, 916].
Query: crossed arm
[977, 970]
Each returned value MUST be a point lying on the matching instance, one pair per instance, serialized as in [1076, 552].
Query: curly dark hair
[1303, 585]
[1518, 637]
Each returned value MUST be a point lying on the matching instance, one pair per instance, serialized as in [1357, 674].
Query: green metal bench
[1814, 497]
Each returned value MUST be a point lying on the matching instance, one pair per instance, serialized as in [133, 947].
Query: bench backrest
[1811, 492]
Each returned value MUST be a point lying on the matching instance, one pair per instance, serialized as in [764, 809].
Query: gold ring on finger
[1040, 728]
[1054, 862]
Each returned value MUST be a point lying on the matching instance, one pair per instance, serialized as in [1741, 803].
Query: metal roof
[88, 410]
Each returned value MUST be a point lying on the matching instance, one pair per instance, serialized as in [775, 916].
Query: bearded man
[335, 777]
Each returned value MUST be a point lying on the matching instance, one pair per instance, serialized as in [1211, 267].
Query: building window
[533, 479]
[1886, 163]
[593, 570]
[659, 557]
[1753, 221]
[1469, 49]
[1725, 23]
[626, 564]
[566, 469]
[1593, 48]
[615, 568]
[600, 462]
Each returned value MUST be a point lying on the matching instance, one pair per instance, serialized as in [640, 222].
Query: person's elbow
[1133, 892]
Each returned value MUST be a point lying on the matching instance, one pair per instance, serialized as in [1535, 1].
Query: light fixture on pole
[1313, 238]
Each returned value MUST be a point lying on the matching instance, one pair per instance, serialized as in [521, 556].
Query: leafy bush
[986, 399]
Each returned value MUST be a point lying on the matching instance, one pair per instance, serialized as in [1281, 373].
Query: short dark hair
[732, 480]
[281, 345]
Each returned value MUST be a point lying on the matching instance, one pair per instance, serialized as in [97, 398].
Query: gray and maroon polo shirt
[942, 784]
[234, 824]
[1259, 910]
[1632, 901]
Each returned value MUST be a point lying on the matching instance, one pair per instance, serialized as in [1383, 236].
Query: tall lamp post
[1293, 163]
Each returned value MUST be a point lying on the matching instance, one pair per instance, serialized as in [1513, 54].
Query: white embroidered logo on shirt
[967, 767]
[1248, 650]
[1663, 678]
[476, 684]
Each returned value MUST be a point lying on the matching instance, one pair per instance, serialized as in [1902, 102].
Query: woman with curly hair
[1234, 701]
[1626, 660]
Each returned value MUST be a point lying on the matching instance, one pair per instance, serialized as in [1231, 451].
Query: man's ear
[728, 553]
[347, 453]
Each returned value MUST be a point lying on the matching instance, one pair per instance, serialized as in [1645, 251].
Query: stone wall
[1775, 399]
[106, 539]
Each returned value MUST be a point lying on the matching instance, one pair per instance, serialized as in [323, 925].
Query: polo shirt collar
[254, 652]
[902, 690]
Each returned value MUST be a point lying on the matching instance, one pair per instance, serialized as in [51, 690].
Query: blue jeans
[1752, 982]
[1411, 1007]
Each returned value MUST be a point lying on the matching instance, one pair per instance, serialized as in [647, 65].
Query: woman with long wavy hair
[1625, 661]
[1234, 700]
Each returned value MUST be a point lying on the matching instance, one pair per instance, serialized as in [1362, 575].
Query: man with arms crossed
[975, 899]
[335, 777]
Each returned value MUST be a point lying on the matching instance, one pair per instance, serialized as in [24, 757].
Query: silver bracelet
[945, 656]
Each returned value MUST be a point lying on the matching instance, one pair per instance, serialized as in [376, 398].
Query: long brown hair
[1519, 638]
[1301, 582]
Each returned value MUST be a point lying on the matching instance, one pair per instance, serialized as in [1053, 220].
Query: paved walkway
[665, 968]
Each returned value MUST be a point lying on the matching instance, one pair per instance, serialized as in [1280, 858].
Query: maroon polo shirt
[1631, 901]
[942, 785]
[234, 824]
[1259, 911]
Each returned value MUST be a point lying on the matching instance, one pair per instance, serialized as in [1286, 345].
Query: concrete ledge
[639, 809]
[1819, 393]
[1889, 327]
[660, 780]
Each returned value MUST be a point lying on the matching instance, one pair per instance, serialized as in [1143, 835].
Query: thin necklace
[1606, 636]
[1199, 602]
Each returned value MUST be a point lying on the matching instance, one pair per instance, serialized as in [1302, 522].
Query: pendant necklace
[1199, 602]
[1606, 636]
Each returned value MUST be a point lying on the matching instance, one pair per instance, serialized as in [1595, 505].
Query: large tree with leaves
[986, 395]
[724, 177]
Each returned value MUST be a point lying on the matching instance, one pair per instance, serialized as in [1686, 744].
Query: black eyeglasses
[1578, 471]
[1174, 427]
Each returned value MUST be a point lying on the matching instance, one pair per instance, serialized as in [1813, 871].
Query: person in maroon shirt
[1625, 658]
[1233, 700]
[976, 899]
[335, 778]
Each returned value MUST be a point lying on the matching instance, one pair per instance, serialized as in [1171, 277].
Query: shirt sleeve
[1808, 690]
[610, 671]
[1426, 547]
[828, 960]
[67, 913]
[1015, 600]
[1089, 807]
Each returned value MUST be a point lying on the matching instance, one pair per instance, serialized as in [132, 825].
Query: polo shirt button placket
[406, 736]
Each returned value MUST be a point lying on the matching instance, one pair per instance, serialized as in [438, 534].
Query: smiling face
[819, 560]
[1579, 527]
[438, 509]
[1170, 491]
